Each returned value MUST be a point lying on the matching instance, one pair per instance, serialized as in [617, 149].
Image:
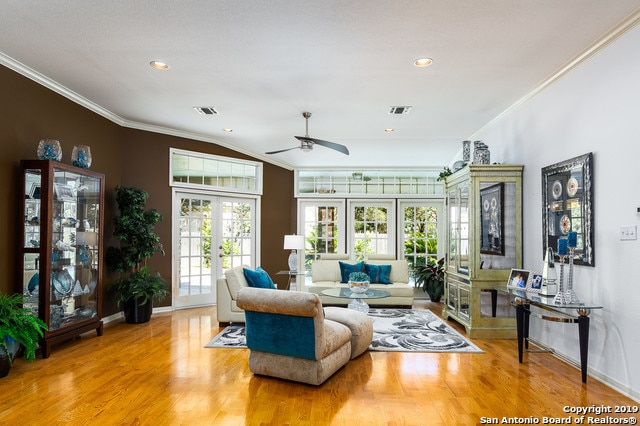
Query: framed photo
[534, 285]
[567, 205]
[518, 278]
[63, 192]
[491, 220]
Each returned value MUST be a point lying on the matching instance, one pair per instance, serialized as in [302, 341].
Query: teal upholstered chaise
[289, 337]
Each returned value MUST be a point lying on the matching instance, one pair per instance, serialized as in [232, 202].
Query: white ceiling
[262, 63]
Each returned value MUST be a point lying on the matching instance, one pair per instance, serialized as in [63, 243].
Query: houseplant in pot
[18, 328]
[136, 290]
[430, 278]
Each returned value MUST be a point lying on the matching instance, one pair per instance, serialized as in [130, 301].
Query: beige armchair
[289, 337]
[227, 288]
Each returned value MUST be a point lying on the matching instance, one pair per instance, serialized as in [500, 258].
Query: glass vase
[49, 149]
[81, 156]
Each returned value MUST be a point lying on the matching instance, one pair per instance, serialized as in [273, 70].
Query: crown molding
[609, 37]
[202, 138]
[43, 80]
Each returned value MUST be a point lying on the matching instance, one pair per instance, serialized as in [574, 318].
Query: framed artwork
[567, 205]
[491, 220]
[518, 278]
[63, 192]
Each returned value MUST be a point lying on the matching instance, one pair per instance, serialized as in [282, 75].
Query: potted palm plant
[430, 278]
[18, 328]
[135, 228]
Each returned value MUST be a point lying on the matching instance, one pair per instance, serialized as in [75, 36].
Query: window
[421, 231]
[321, 220]
[371, 227]
[197, 170]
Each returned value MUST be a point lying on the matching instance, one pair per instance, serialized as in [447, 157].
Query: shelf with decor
[60, 248]
[484, 240]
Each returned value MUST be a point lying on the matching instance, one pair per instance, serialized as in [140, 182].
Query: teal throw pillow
[258, 278]
[346, 269]
[380, 274]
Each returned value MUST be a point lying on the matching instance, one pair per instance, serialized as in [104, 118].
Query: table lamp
[293, 243]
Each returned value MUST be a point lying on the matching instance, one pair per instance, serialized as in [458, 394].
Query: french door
[211, 234]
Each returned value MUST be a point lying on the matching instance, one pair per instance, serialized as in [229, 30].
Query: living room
[591, 107]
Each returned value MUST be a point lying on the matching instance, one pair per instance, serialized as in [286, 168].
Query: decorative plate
[556, 189]
[485, 205]
[62, 282]
[33, 282]
[565, 224]
[572, 187]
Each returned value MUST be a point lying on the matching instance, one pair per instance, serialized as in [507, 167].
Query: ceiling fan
[307, 143]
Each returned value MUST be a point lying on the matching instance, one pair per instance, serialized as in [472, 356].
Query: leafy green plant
[444, 174]
[430, 278]
[135, 228]
[19, 324]
[139, 284]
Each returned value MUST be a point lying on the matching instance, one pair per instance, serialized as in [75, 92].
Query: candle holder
[561, 295]
[570, 295]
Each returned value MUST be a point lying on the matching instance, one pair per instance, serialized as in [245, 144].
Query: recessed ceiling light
[227, 130]
[389, 130]
[422, 62]
[159, 65]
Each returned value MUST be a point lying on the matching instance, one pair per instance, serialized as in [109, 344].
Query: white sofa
[325, 274]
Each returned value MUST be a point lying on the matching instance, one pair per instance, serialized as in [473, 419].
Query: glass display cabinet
[60, 248]
[484, 242]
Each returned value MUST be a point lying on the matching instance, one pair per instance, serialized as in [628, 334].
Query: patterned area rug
[394, 330]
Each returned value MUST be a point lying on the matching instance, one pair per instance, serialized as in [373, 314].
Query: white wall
[595, 108]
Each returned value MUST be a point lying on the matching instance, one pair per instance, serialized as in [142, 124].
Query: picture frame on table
[518, 279]
[534, 284]
[567, 206]
[492, 220]
[63, 192]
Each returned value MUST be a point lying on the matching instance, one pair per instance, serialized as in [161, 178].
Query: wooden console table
[523, 301]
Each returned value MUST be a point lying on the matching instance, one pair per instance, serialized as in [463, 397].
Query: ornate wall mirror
[567, 205]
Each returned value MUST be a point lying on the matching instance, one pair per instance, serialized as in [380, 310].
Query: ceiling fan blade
[340, 148]
[282, 150]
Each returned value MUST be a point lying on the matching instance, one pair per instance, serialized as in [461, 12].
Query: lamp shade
[293, 242]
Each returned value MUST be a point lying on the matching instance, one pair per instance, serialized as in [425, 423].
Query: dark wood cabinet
[59, 248]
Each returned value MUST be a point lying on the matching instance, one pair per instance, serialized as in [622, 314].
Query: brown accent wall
[30, 112]
[145, 164]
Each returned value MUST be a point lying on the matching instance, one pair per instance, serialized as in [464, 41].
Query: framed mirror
[567, 205]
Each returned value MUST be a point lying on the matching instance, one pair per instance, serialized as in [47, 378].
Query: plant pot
[435, 291]
[6, 359]
[136, 314]
[435, 298]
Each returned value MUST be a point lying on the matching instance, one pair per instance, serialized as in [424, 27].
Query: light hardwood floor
[159, 374]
